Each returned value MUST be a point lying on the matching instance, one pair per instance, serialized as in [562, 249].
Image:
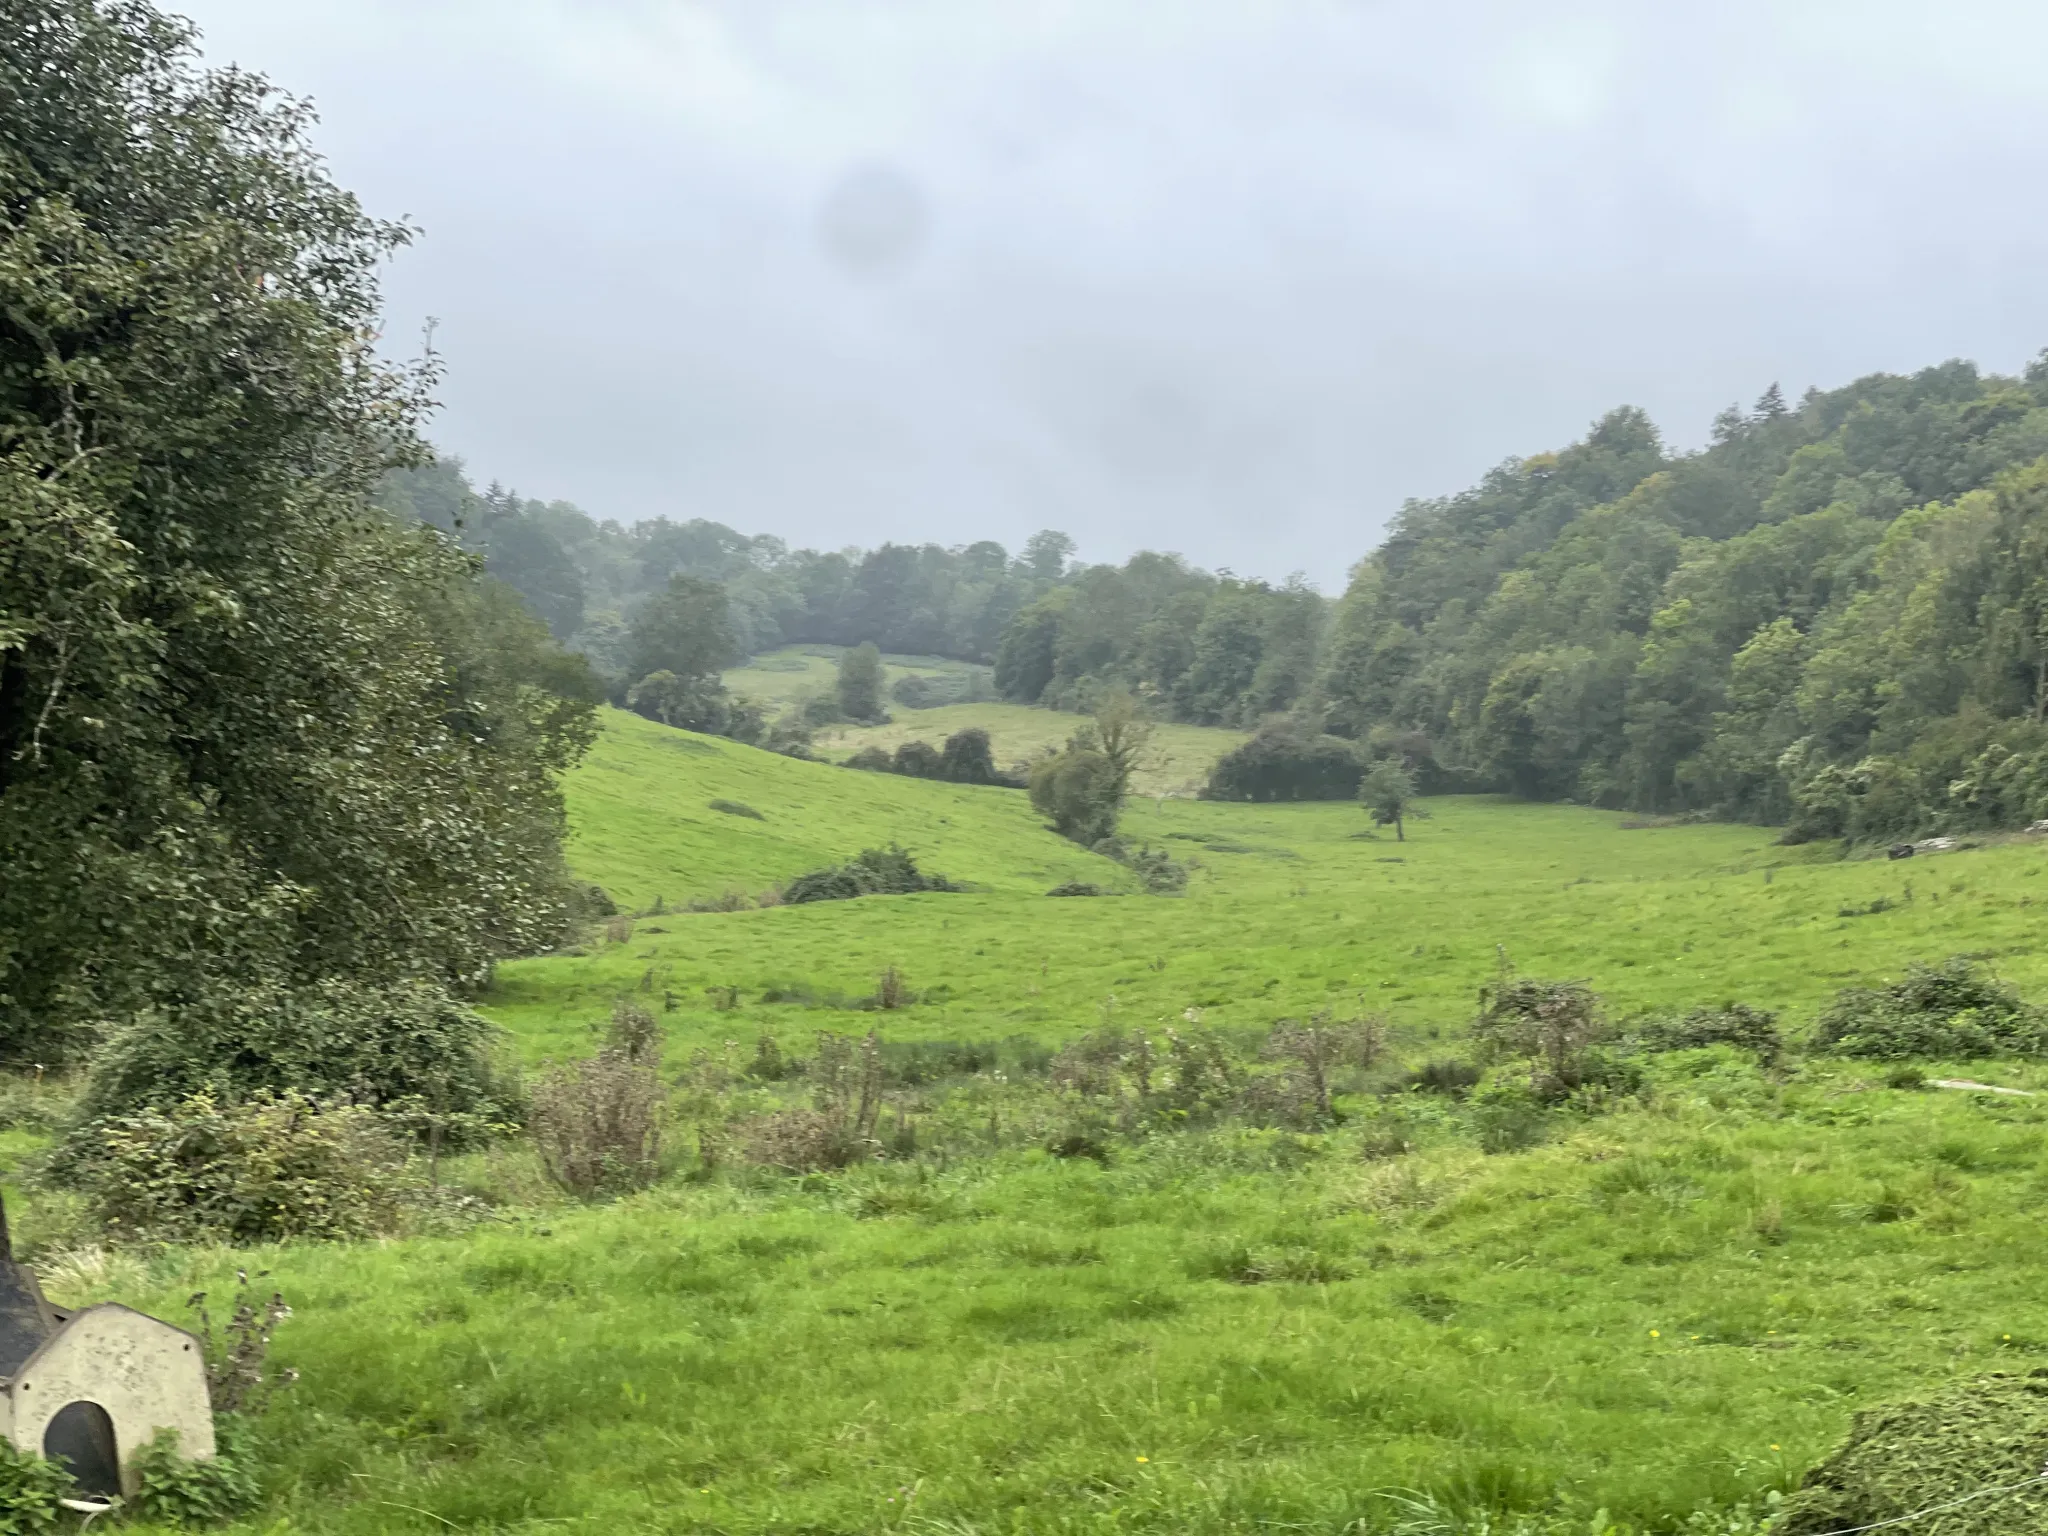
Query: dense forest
[1834, 617]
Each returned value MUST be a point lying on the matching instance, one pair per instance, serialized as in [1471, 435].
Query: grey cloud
[1229, 278]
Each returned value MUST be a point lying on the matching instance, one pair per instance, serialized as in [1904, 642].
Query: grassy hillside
[1177, 763]
[1291, 909]
[1666, 1310]
[642, 822]
[792, 671]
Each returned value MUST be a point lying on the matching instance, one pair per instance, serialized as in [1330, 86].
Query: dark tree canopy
[250, 727]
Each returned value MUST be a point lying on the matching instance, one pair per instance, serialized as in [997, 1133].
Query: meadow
[1651, 1320]
[1177, 763]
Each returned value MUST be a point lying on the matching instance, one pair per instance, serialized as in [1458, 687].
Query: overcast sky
[1229, 277]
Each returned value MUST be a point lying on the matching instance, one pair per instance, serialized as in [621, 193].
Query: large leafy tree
[251, 729]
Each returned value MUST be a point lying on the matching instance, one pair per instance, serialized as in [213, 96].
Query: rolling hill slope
[643, 825]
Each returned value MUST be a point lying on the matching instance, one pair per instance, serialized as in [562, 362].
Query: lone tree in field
[1388, 794]
[1122, 733]
[860, 684]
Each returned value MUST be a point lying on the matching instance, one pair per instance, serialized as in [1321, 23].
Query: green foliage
[1549, 1025]
[683, 630]
[1076, 790]
[1286, 760]
[597, 1124]
[858, 689]
[1387, 791]
[1157, 870]
[887, 871]
[1954, 1448]
[274, 1167]
[689, 704]
[191, 1492]
[29, 1490]
[968, 758]
[1954, 1010]
[1749, 1029]
[252, 730]
[373, 1045]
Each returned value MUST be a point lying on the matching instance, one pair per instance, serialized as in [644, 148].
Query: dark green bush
[1078, 791]
[1737, 1024]
[887, 871]
[272, 1167]
[968, 758]
[1287, 761]
[871, 760]
[918, 760]
[1077, 888]
[735, 808]
[1157, 870]
[1953, 1010]
[1549, 1025]
[372, 1045]
[1450, 1078]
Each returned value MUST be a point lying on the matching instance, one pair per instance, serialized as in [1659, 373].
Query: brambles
[892, 991]
[180, 1491]
[1157, 870]
[271, 1168]
[597, 1124]
[1955, 1009]
[887, 871]
[1904, 1458]
[239, 1378]
[1551, 1025]
[1452, 1079]
[1314, 1053]
[1750, 1029]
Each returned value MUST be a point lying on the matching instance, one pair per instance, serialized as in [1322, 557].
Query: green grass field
[1177, 763]
[1664, 1313]
[792, 671]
